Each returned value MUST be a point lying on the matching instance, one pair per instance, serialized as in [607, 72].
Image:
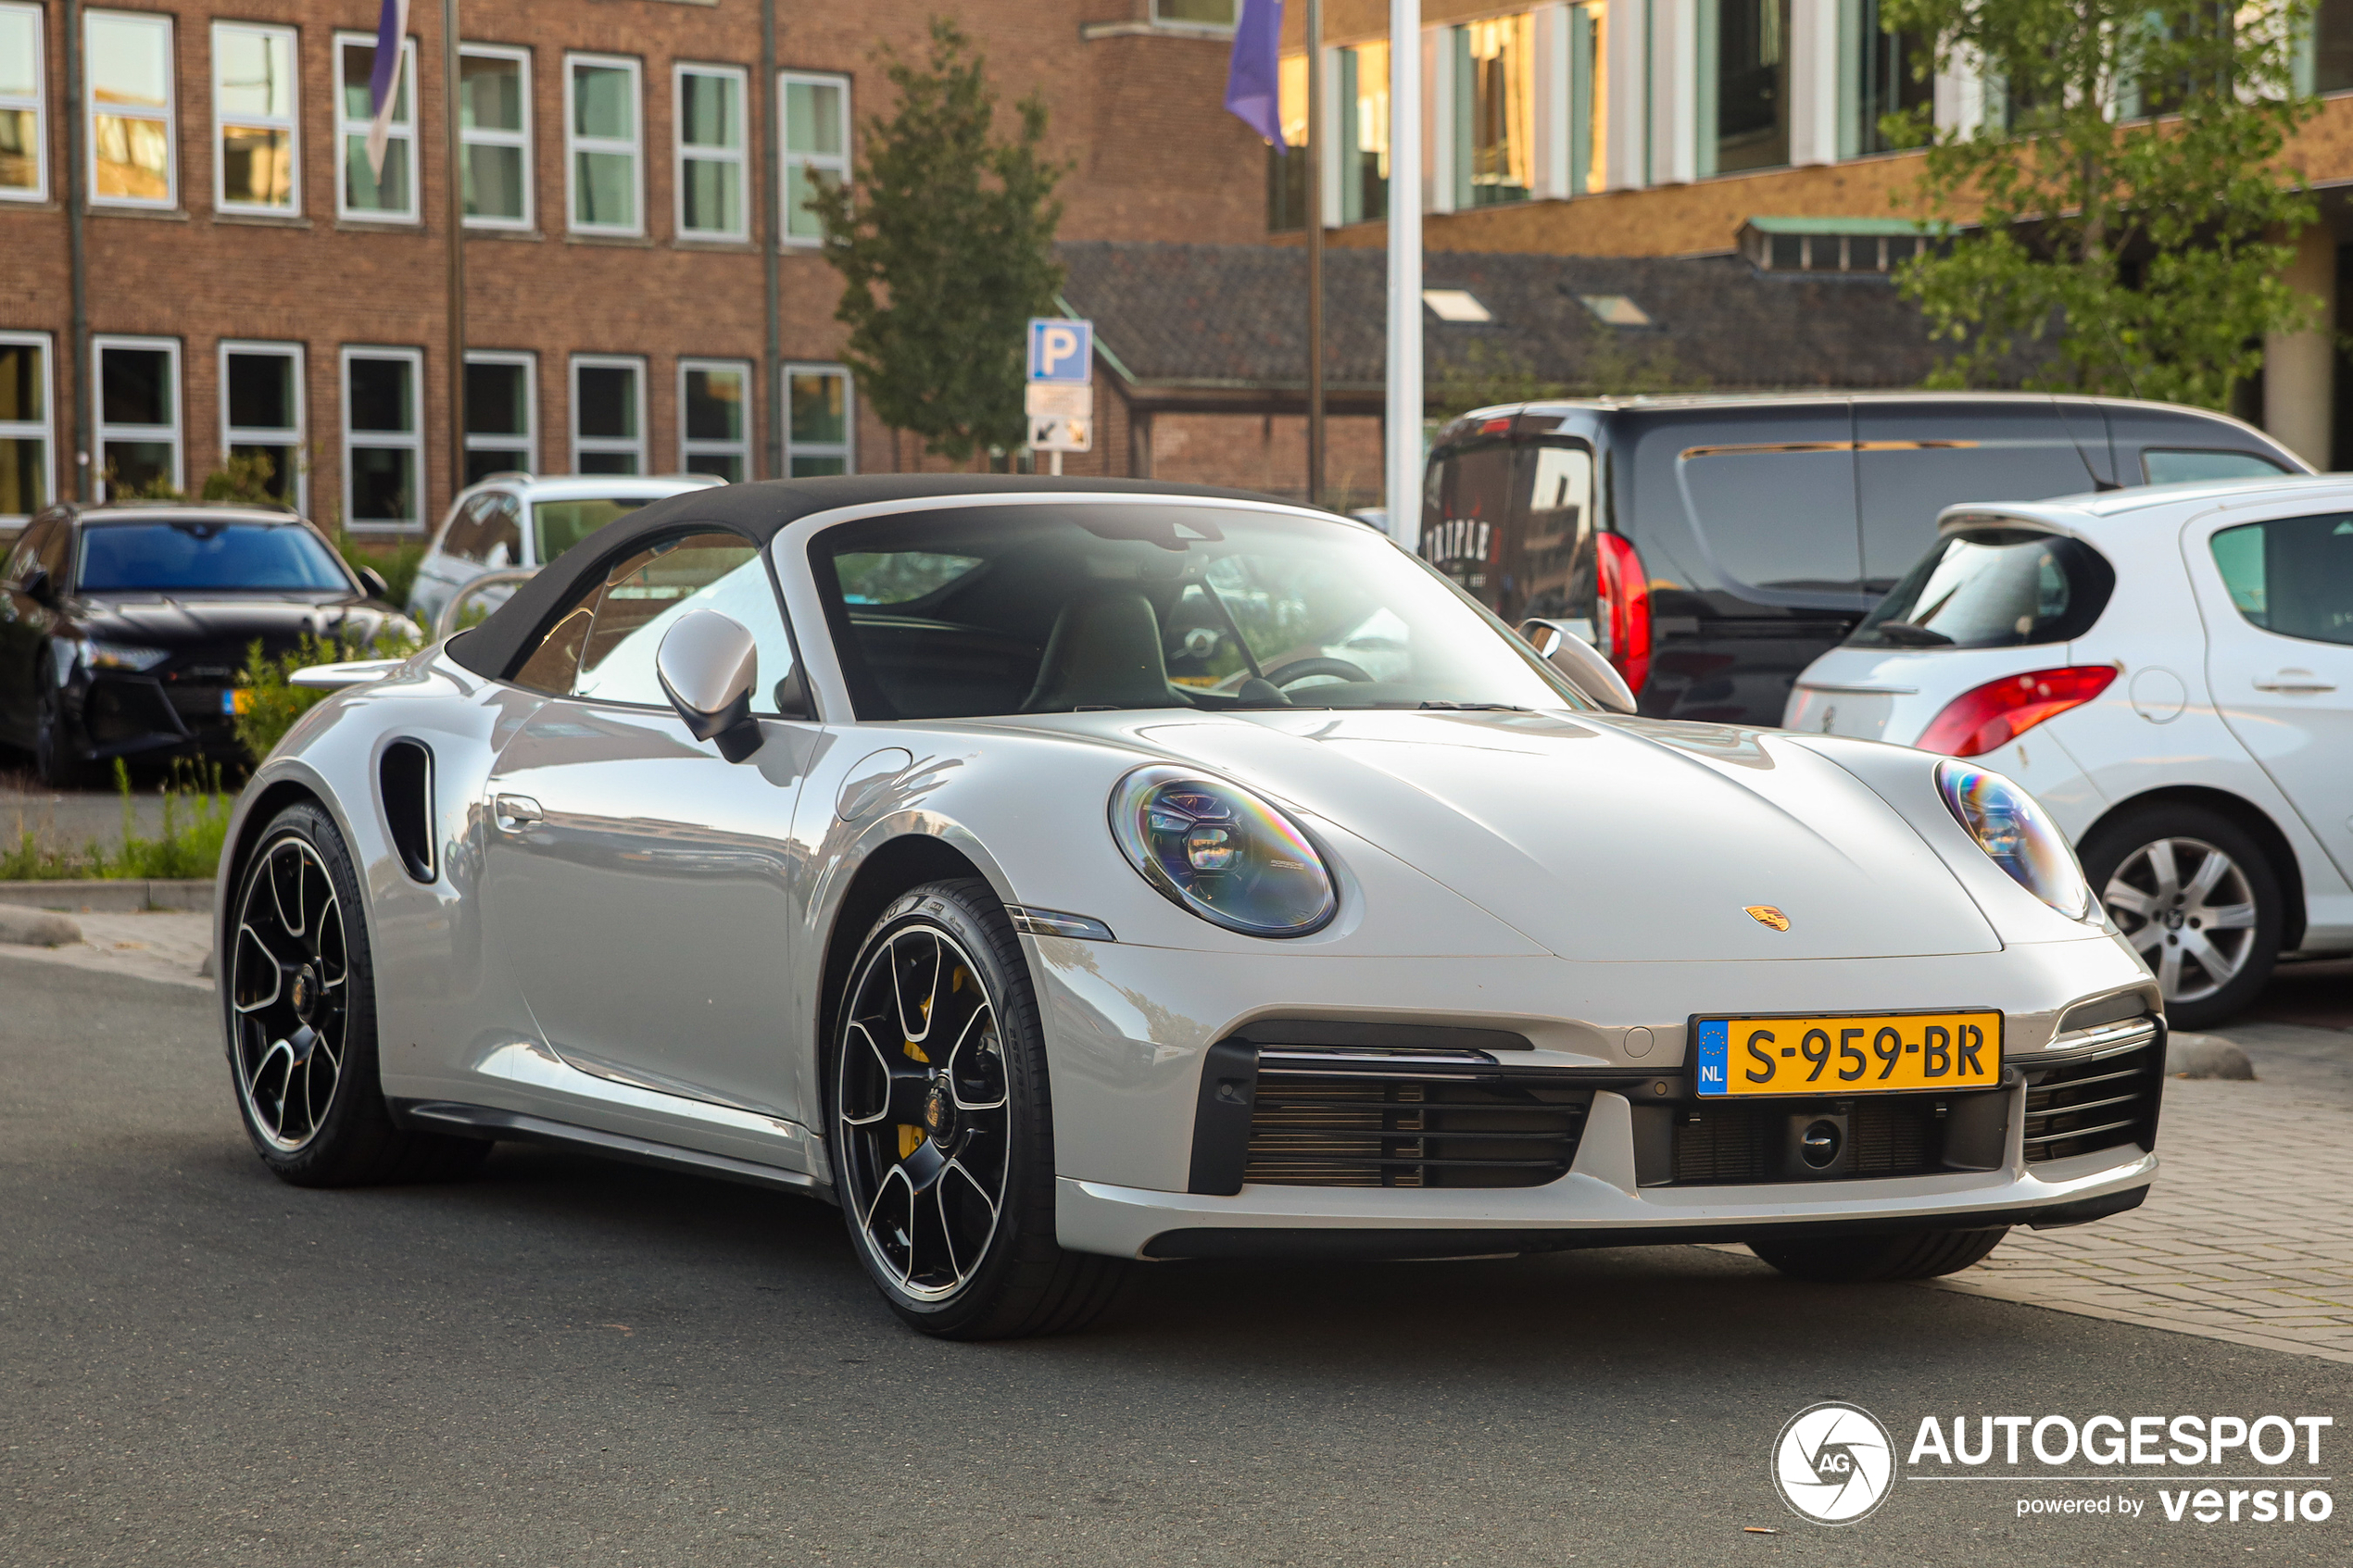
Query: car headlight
[2011, 828]
[1222, 853]
[97, 655]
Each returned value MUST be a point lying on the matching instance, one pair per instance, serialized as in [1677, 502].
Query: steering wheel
[1300, 668]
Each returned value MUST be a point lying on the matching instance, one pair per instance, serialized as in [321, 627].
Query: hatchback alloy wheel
[2187, 906]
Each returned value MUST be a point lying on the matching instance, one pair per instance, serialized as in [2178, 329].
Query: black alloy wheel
[943, 1143]
[53, 760]
[301, 1016]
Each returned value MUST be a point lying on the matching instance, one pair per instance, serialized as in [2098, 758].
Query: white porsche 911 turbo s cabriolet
[1057, 873]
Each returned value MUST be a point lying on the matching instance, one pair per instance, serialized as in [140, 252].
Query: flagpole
[1315, 253]
[1402, 433]
[455, 177]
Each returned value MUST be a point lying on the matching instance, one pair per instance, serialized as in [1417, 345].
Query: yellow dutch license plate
[1846, 1054]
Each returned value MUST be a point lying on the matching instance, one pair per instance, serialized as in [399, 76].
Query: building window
[261, 414]
[1209, 15]
[608, 414]
[383, 444]
[24, 129]
[138, 435]
[601, 144]
[28, 440]
[494, 122]
[253, 119]
[818, 431]
[1588, 98]
[1364, 132]
[714, 418]
[816, 132]
[1893, 76]
[710, 153]
[1495, 110]
[360, 192]
[1287, 160]
[502, 414]
[1750, 95]
[2331, 46]
[128, 57]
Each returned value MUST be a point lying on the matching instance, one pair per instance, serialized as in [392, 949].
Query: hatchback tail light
[1999, 712]
[1624, 621]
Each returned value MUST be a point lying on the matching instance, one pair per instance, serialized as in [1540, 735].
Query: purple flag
[383, 81]
[1252, 82]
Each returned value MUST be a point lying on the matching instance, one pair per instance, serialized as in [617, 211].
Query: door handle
[514, 811]
[2294, 681]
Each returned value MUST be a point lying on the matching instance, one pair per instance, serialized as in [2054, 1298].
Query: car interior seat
[1103, 652]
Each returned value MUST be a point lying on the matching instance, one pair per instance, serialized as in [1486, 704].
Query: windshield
[1990, 589]
[195, 556]
[1056, 609]
[558, 525]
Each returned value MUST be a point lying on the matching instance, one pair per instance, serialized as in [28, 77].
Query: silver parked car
[520, 521]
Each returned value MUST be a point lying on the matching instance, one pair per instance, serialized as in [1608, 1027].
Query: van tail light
[1999, 712]
[1624, 621]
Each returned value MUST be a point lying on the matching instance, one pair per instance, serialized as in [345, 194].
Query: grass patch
[187, 844]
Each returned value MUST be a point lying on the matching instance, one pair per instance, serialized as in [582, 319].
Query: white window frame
[290, 123]
[1198, 29]
[580, 443]
[575, 144]
[175, 432]
[479, 137]
[484, 442]
[90, 111]
[847, 447]
[39, 104]
[682, 154]
[44, 429]
[690, 447]
[294, 435]
[412, 440]
[787, 160]
[347, 127]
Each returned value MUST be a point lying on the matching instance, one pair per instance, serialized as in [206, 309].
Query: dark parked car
[1714, 546]
[122, 628]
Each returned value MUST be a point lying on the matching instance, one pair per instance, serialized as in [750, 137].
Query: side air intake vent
[404, 783]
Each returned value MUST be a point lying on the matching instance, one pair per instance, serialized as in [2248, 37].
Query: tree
[2126, 187]
[944, 241]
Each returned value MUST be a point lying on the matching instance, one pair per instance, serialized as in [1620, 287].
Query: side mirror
[1558, 645]
[374, 581]
[37, 587]
[708, 666]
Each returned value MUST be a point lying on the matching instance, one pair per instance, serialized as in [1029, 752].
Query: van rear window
[1993, 588]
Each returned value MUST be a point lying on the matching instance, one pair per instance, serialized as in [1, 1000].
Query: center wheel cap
[304, 994]
[939, 1112]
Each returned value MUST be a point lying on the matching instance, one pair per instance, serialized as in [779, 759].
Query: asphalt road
[564, 1362]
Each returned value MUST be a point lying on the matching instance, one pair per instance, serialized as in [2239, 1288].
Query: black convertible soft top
[494, 647]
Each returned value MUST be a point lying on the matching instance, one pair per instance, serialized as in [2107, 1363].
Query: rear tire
[1904, 1255]
[2197, 898]
[943, 1126]
[299, 1001]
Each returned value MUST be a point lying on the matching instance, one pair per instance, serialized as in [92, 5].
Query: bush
[397, 562]
[268, 701]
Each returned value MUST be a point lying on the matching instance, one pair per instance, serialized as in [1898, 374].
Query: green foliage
[269, 703]
[159, 488]
[246, 481]
[1486, 375]
[397, 561]
[188, 843]
[2127, 186]
[945, 245]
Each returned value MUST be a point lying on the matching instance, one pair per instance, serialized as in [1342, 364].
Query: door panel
[2277, 597]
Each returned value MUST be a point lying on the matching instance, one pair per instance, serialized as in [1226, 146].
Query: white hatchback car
[516, 520]
[2169, 671]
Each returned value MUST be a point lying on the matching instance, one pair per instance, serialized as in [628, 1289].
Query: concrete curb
[2206, 1056]
[36, 928]
[101, 895]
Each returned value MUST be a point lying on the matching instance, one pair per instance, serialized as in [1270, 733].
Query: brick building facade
[250, 285]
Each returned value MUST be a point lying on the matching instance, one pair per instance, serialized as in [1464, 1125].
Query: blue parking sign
[1061, 349]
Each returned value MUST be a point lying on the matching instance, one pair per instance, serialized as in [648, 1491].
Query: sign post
[1059, 398]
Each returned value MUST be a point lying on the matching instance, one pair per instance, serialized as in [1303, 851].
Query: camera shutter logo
[1834, 1463]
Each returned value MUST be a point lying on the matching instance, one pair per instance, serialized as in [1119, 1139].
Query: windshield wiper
[1904, 635]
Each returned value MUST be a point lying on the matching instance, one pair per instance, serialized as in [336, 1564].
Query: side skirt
[483, 1121]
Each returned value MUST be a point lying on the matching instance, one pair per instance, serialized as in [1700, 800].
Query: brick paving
[2248, 1235]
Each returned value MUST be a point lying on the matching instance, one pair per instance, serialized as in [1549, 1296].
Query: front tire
[943, 1126]
[2198, 898]
[1905, 1255]
[53, 760]
[300, 1003]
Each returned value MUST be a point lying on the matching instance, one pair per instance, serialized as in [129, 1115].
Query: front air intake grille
[2104, 1096]
[1723, 1144]
[1326, 1118]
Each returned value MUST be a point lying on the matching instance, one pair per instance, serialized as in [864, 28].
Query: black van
[1715, 546]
